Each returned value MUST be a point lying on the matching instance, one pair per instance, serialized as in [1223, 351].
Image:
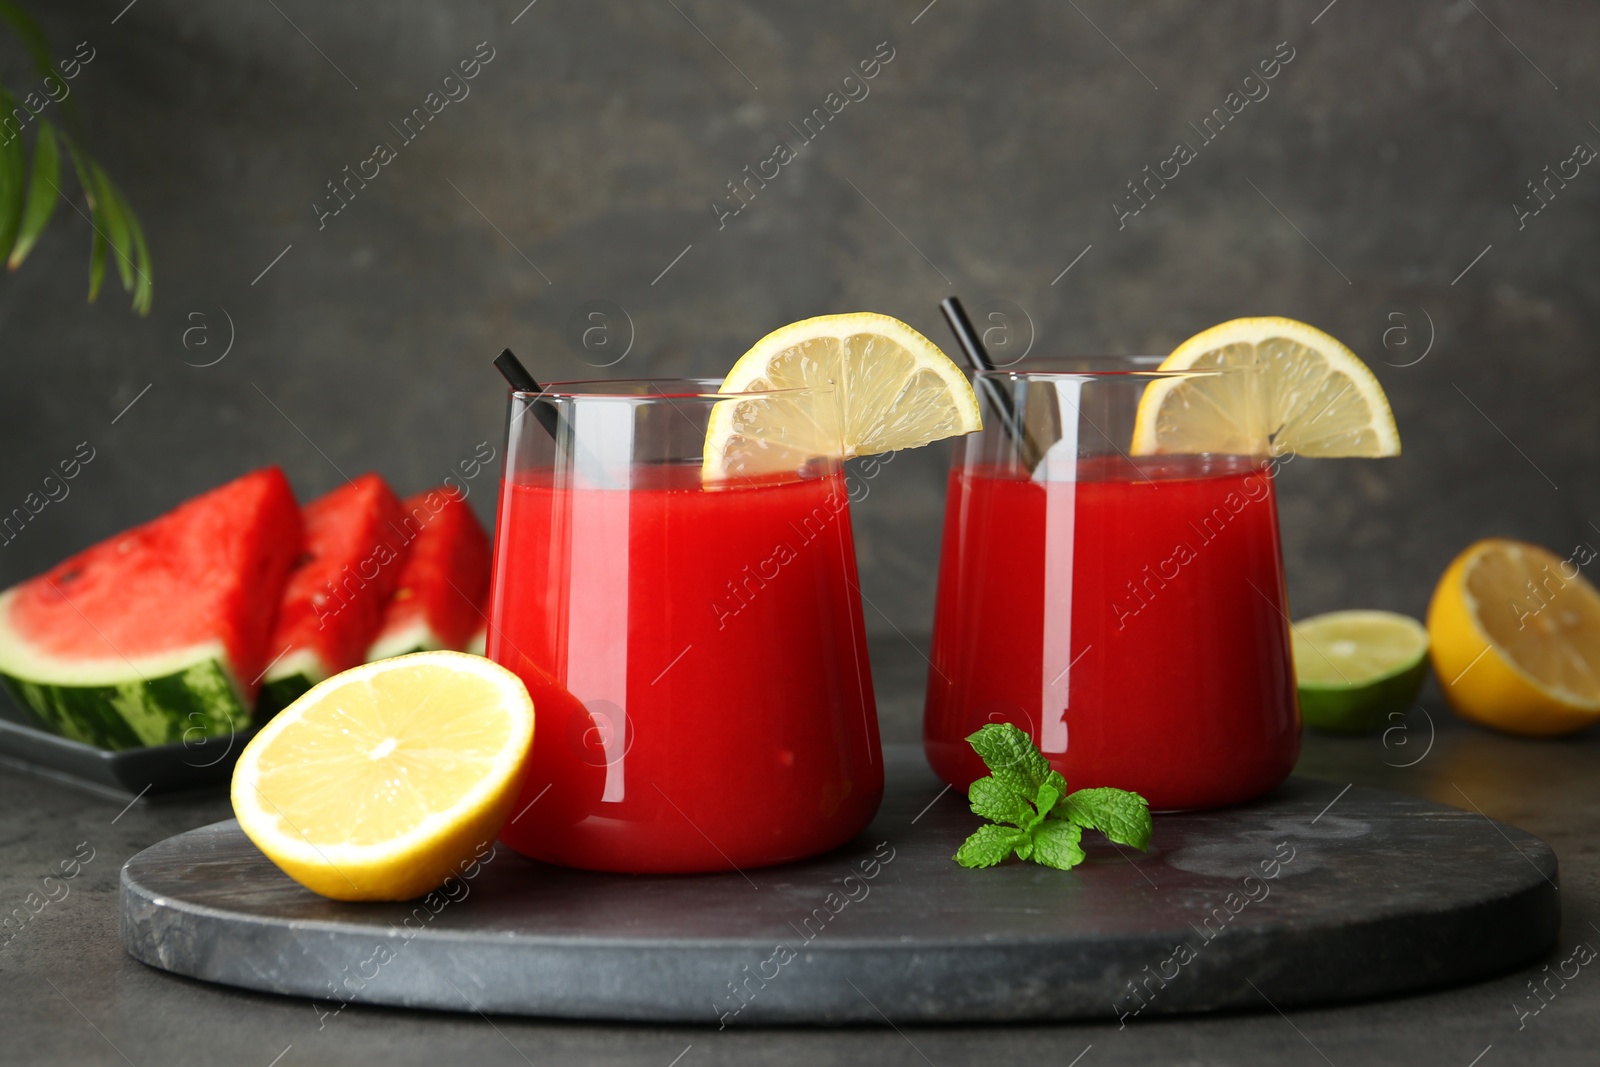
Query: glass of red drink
[695, 650]
[1127, 611]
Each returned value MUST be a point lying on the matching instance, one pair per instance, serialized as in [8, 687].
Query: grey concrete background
[1376, 180]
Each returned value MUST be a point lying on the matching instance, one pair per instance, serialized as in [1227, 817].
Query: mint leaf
[1047, 797]
[1122, 816]
[988, 845]
[1046, 823]
[1010, 779]
[997, 802]
[1056, 782]
[1011, 757]
[1055, 844]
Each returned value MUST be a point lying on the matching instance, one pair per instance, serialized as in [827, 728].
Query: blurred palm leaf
[13, 179]
[28, 198]
[29, 34]
[43, 191]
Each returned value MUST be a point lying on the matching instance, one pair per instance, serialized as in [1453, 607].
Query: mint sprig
[1031, 813]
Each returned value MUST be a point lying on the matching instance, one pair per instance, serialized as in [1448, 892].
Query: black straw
[514, 372]
[971, 344]
[978, 359]
[511, 368]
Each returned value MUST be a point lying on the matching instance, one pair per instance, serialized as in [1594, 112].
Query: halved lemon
[879, 386]
[1316, 398]
[382, 781]
[1516, 638]
[1353, 668]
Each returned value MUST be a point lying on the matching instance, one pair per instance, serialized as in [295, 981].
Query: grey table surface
[72, 995]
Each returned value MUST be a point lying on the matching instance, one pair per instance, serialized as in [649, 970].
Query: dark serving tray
[155, 770]
[1316, 892]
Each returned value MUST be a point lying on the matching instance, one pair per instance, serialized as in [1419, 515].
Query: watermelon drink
[1127, 611]
[695, 649]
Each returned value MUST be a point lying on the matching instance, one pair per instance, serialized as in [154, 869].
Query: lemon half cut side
[382, 781]
[1516, 639]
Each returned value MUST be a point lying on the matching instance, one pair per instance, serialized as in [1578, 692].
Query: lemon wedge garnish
[1316, 397]
[382, 781]
[874, 385]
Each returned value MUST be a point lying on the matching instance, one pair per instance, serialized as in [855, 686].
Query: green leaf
[97, 258]
[27, 31]
[122, 227]
[97, 242]
[144, 291]
[78, 158]
[43, 192]
[1055, 844]
[997, 802]
[115, 224]
[27, 203]
[988, 845]
[1014, 781]
[1004, 748]
[1023, 789]
[13, 178]
[1048, 795]
[1122, 816]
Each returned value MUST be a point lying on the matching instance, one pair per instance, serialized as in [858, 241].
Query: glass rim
[1084, 370]
[648, 389]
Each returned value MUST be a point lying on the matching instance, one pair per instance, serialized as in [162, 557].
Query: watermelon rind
[121, 701]
[289, 678]
[200, 701]
[280, 693]
[479, 644]
[417, 637]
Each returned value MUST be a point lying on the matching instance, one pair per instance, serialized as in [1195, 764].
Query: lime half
[1356, 667]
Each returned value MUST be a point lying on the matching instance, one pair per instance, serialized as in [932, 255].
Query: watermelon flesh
[159, 634]
[335, 599]
[444, 585]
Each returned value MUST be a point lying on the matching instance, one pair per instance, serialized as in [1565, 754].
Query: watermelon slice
[335, 598]
[440, 600]
[158, 634]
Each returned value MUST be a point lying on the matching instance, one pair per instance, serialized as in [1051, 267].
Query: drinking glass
[1127, 611]
[695, 649]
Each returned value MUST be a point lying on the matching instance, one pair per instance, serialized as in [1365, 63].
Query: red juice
[1133, 622]
[698, 666]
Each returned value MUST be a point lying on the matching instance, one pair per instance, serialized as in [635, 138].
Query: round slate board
[1309, 894]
